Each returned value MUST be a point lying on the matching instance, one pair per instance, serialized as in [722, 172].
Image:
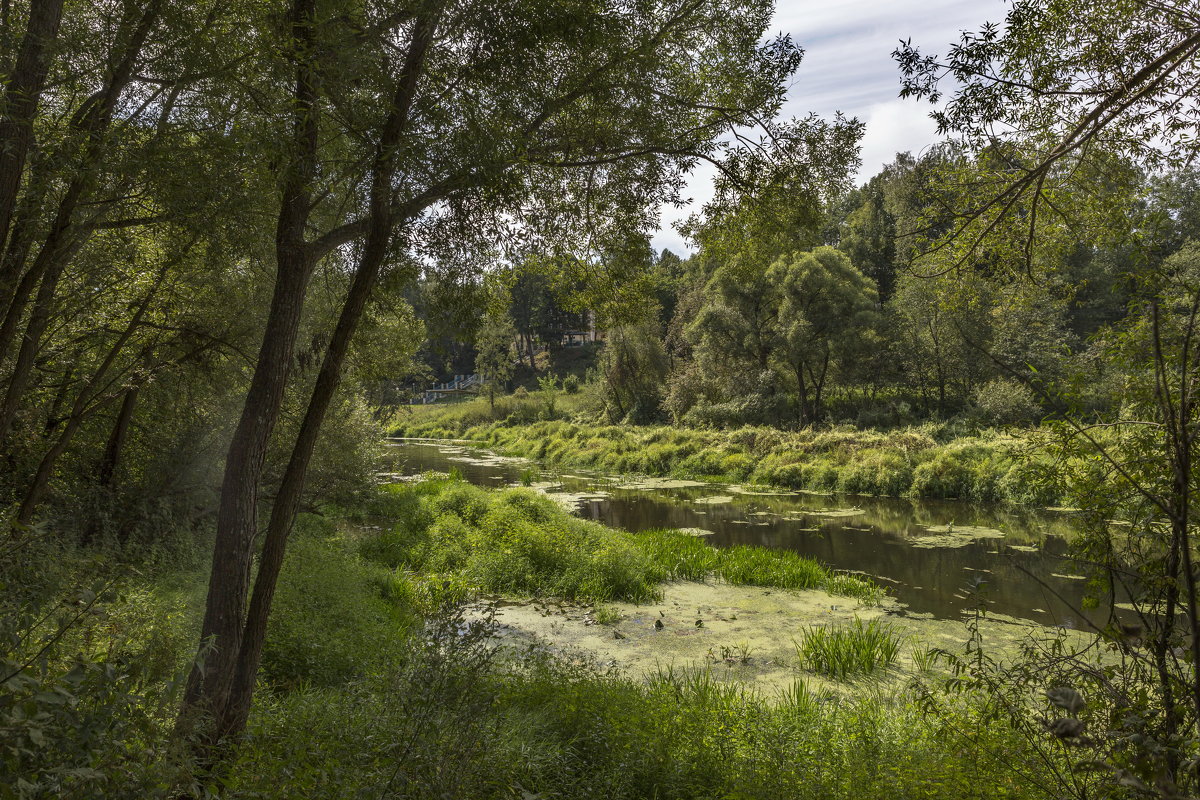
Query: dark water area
[937, 557]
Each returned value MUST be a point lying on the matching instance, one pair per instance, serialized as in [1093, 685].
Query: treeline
[861, 320]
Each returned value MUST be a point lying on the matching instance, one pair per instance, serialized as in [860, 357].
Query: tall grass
[757, 565]
[848, 651]
[519, 542]
[548, 729]
[931, 460]
[684, 557]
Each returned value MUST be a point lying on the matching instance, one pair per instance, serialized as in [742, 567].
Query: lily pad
[834, 513]
[953, 536]
[659, 483]
[762, 491]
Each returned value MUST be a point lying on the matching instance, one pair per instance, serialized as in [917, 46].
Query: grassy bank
[373, 685]
[927, 461]
[521, 543]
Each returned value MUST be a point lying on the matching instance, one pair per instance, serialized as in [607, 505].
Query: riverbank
[521, 543]
[925, 461]
[374, 683]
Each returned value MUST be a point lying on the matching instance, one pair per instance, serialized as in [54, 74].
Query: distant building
[580, 337]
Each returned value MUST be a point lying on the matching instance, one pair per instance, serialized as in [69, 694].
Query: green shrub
[606, 615]
[90, 658]
[737, 466]
[943, 475]
[1003, 401]
[465, 500]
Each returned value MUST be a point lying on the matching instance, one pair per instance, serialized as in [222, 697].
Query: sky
[848, 67]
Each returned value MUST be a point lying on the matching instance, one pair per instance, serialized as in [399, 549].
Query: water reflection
[927, 552]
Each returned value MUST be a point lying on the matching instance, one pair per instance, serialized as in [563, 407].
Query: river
[938, 558]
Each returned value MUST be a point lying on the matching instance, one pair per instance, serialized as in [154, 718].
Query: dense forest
[239, 239]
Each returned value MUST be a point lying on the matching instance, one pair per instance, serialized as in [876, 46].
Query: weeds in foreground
[433, 709]
[925, 659]
[739, 653]
[849, 651]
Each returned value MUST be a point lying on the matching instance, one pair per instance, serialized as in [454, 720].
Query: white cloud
[892, 127]
[848, 67]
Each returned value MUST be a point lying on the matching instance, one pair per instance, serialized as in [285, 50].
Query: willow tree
[827, 317]
[417, 130]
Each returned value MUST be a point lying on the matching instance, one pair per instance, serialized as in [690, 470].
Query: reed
[849, 651]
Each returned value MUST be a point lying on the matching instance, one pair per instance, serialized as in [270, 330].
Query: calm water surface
[929, 553]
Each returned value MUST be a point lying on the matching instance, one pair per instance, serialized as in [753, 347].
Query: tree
[536, 311]
[826, 319]
[494, 344]
[101, 236]
[633, 364]
[938, 318]
[529, 122]
[1060, 85]
[1068, 96]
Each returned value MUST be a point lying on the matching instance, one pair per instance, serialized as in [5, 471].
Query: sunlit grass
[930, 460]
[843, 652]
[519, 542]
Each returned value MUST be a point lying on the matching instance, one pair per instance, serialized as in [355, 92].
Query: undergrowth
[454, 721]
[375, 684]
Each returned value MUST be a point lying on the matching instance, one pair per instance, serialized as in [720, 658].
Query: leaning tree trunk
[287, 499]
[211, 677]
[110, 461]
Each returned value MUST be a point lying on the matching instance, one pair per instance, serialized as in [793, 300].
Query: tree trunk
[111, 460]
[802, 391]
[211, 677]
[106, 469]
[287, 499]
[818, 382]
[21, 97]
